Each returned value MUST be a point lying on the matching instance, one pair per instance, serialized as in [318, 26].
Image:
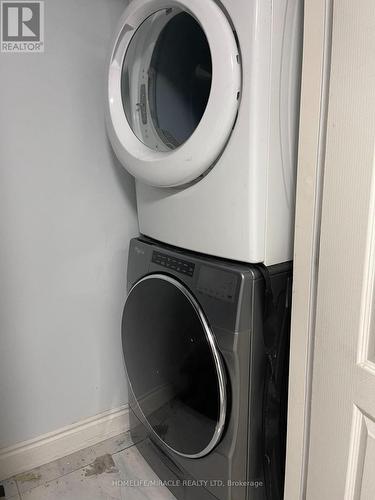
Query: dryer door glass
[174, 369]
[166, 79]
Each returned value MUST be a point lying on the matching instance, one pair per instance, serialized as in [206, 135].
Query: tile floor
[102, 472]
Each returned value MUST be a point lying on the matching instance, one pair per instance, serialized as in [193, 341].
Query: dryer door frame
[132, 366]
[199, 152]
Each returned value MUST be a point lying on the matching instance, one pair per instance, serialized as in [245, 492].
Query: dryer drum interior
[174, 369]
[165, 89]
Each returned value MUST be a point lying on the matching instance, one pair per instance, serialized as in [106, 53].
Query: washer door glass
[166, 79]
[174, 368]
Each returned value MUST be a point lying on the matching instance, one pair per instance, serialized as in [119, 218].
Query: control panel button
[179, 265]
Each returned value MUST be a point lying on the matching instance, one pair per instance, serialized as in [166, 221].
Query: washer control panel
[179, 265]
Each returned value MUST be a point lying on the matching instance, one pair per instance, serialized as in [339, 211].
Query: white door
[174, 87]
[341, 460]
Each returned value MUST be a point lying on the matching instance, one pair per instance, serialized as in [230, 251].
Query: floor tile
[71, 463]
[100, 472]
[113, 445]
[134, 472]
[36, 477]
[78, 486]
[10, 489]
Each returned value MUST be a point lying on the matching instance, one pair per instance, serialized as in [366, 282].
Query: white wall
[67, 211]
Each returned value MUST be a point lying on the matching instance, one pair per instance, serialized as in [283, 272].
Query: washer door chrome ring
[220, 370]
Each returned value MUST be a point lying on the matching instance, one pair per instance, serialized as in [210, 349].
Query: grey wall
[67, 211]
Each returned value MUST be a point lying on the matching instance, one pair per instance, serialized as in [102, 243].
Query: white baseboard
[57, 444]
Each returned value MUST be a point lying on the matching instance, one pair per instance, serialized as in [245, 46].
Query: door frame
[318, 17]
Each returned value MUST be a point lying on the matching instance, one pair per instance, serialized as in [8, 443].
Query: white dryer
[203, 101]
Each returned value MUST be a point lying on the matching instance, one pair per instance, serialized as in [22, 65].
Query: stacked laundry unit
[203, 111]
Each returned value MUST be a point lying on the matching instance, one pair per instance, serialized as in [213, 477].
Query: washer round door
[174, 368]
[173, 89]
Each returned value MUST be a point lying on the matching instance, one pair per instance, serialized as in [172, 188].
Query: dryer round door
[174, 368]
[173, 89]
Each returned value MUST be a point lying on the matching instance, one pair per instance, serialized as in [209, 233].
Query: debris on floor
[101, 464]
